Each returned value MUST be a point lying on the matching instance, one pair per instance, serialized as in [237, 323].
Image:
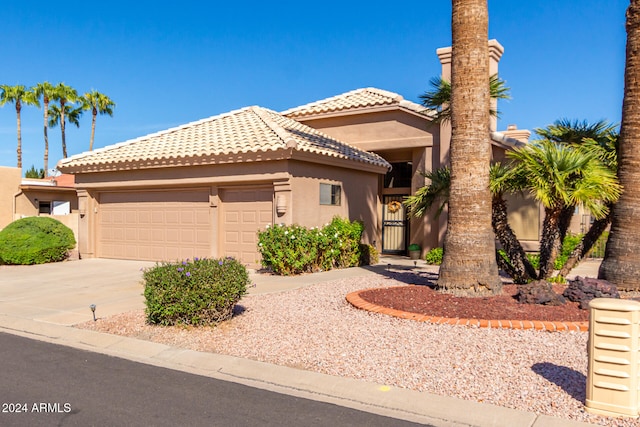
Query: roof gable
[355, 100]
[248, 130]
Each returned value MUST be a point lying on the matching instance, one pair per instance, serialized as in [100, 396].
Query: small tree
[562, 176]
[34, 173]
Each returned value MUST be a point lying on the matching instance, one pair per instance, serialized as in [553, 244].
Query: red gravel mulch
[424, 300]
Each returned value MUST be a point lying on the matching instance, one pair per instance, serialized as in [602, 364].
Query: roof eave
[202, 160]
[343, 162]
[358, 111]
[52, 188]
[504, 141]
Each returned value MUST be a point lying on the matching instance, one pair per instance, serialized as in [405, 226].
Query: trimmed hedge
[199, 292]
[35, 240]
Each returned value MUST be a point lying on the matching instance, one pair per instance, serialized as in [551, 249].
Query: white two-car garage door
[154, 225]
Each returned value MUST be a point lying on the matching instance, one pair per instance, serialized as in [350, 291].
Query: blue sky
[169, 63]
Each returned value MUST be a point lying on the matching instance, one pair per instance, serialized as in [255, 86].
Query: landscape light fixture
[388, 267]
[415, 264]
[93, 310]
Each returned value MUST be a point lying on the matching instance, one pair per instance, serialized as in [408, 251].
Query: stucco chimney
[515, 133]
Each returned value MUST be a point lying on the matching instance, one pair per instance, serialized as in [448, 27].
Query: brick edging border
[356, 300]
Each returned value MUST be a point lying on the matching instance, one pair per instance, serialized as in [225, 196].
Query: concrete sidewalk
[44, 301]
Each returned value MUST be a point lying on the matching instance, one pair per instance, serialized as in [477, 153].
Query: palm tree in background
[45, 90]
[621, 264]
[469, 264]
[64, 94]
[58, 116]
[19, 96]
[438, 98]
[98, 103]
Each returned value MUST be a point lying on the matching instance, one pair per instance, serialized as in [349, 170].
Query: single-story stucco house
[205, 188]
[54, 196]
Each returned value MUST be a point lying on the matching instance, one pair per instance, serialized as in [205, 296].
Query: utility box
[613, 379]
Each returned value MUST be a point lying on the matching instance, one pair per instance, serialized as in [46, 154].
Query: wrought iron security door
[394, 225]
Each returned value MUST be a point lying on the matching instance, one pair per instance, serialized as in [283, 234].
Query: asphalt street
[45, 384]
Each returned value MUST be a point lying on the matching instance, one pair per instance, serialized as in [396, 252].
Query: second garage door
[154, 225]
[245, 211]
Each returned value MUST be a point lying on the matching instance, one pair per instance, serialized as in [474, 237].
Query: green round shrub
[35, 240]
[199, 292]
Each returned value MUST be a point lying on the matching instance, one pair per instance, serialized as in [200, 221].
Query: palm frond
[561, 175]
[438, 98]
[434, 193]
[575, 131]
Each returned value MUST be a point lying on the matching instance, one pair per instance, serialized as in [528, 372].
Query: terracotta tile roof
[251, 129]
[65, 180]
[355, 99]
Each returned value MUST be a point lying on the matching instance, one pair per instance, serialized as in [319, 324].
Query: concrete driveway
[62, 292]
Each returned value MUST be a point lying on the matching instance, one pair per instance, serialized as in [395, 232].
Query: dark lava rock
[539, 292]
[585, 289]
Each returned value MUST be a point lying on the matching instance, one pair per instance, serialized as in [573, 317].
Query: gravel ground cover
[314, 328]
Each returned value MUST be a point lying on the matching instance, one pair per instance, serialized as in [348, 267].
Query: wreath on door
[394, 206]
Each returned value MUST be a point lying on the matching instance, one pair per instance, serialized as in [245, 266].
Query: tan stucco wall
[90, 185]
[525, 218]
[296, 182]
[398, 136]
[359, 198]
[27, 201]
[376, 131]
[10, 179]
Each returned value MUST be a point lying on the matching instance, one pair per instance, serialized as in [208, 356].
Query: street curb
[414, 406]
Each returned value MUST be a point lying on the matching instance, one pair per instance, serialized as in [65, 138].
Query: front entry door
[394, 225]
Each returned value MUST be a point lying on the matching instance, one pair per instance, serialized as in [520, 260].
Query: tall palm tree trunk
[584, 246]
[46, 136]
[62, 120]
[469, 264]
[621, 264]
[94, 114]
[19, 126]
